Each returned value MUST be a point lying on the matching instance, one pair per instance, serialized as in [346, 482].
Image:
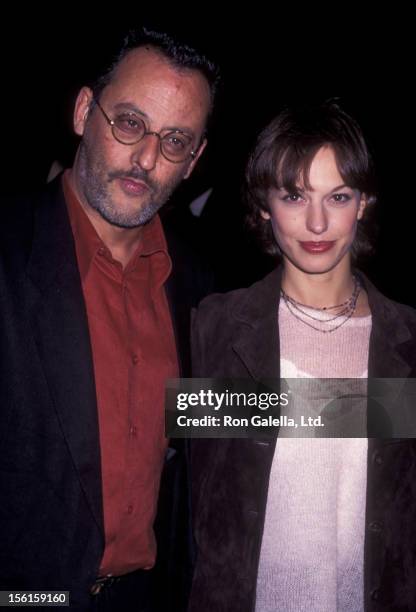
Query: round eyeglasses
[129, 129]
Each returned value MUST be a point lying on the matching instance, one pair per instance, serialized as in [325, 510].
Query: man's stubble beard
[95, 179]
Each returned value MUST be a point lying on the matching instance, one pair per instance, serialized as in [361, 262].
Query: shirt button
[376, 526]
[133, 430]
[375, 595]
[378, 459]
[101, 251]
[135, 359]
[129, 509]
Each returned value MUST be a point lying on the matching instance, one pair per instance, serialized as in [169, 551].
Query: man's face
[127, 184]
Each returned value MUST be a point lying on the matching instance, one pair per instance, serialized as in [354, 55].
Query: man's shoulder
[18, 210]
[24, 217]
[15, 210]
[16, 230]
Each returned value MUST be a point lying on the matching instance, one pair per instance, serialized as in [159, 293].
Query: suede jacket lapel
[257, 333]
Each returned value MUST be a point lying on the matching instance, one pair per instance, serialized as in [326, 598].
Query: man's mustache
[136, 174]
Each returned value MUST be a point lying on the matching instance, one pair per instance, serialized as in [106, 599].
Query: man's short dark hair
[283, 155]
[178, 53]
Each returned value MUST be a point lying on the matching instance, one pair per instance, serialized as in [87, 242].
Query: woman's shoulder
[221, 303]
[384, 307]
[406, 314]
[240, 301]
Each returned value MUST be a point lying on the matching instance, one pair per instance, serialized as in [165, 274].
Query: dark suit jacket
[236, 335]
[51, 516]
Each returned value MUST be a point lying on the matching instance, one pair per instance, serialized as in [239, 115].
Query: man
[90, 327]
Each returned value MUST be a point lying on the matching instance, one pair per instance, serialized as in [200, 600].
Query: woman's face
[315, 228]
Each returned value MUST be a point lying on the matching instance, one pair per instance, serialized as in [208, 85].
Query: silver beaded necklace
[347, 310]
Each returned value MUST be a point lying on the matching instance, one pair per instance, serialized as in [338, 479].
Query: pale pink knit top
[312, 549]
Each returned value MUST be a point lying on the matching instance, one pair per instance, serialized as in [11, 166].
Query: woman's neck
[319, 290]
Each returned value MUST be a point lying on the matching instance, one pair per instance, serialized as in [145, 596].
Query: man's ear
[81, 110]
[362, 206]
[197, 156]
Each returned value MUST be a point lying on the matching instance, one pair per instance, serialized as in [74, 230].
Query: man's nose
[316, 218]
[146, 151]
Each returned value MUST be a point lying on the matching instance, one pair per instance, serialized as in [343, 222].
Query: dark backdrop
[267, 60]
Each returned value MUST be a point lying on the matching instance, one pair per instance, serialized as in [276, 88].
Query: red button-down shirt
[134, 351]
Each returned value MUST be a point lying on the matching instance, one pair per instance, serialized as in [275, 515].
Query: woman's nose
[316, 218]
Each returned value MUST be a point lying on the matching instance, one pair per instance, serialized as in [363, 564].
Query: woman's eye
[341, 197]
[292, 197]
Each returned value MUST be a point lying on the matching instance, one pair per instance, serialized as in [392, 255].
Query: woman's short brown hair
[283, 155]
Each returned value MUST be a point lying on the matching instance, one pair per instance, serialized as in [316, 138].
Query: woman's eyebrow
[340, 187]
[343, 186]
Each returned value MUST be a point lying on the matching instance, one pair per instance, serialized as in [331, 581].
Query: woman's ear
[362, 206]
[265, 214]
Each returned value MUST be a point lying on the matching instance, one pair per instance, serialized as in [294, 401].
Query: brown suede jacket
[236, 335]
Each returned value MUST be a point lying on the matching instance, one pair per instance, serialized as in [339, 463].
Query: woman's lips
[133, 187]
[317, 247]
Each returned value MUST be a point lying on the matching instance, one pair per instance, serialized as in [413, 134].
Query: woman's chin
[317, 263]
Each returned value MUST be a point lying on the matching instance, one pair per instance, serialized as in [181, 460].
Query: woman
[306, 524]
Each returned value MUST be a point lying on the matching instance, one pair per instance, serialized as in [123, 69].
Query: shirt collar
[89, 244]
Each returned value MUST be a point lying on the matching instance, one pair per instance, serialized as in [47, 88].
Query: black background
[268, 59]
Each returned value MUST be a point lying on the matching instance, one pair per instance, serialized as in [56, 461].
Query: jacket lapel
[60, 329]
[257, 333]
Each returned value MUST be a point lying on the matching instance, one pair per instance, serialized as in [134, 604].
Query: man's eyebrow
[132, 108]
[129, 107]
